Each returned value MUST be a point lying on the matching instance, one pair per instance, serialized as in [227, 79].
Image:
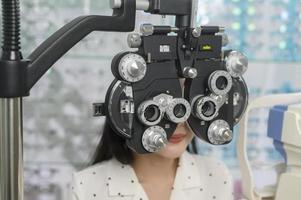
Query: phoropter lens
[221, 83]
[179, 110]
[152, 113]
[208, 109]
[205, 107]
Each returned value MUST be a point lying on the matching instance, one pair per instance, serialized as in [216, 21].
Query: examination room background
[60, 133]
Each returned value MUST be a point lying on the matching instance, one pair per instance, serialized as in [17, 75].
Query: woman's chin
[173, 150]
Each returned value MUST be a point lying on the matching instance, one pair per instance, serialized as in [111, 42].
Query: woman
[172, 173]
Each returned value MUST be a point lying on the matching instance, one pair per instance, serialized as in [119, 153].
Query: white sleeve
[75, 193]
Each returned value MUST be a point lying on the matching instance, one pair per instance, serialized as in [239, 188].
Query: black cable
[11, 44]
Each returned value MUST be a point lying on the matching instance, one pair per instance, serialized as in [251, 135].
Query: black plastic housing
[170, 7]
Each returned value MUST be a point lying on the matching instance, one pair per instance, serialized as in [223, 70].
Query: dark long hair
[112, 145]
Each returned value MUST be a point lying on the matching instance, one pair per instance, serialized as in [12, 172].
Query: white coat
[197, 178]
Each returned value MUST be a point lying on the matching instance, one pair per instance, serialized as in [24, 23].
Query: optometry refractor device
[145, 102]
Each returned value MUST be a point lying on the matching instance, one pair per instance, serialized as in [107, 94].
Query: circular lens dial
[132, 67]
[150, 113]
[178, 110]
[220, 82]
[205, 108]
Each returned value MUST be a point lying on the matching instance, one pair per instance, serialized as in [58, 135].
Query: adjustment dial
[154, 139]
[236, 63]
[219, 132]
[132, 67]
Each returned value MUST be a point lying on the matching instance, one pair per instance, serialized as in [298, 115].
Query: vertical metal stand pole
[11, 149]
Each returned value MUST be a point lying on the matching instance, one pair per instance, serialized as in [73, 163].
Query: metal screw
[134, 40]
[197, 32]
[190, 72]
[147, 29]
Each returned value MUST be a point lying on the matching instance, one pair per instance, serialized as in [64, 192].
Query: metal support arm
[123, 20]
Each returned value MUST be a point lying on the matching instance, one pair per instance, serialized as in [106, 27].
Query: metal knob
[190, 72]
[154, 139]
[219, 132]
[236, 63]
[196, 32]
[134, 40]
[136, 68]
[132, 67]
[147, 29]
[220, 99]
[163, 100]
[159, 141]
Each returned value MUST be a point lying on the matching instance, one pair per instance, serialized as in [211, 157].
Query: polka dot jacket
[197, 178]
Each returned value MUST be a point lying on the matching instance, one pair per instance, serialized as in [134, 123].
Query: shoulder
[109, 179]
[88, 176]
[86, 182]
[92, 170]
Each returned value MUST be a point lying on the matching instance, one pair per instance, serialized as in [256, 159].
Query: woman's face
[180, 139]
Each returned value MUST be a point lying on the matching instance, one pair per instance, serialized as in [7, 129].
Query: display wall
[60, 134]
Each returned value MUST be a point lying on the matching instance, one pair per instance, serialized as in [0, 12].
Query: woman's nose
[182, 124]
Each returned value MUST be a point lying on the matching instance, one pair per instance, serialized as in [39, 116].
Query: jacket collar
[122, 180]
[188, 172]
